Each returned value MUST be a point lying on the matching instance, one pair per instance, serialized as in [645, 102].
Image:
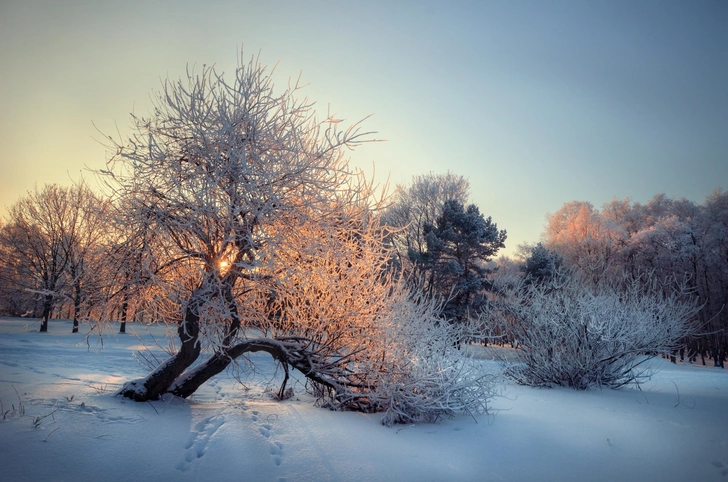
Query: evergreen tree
[453, 265]
[541, 265]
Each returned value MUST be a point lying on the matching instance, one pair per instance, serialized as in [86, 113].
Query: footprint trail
[265, 428]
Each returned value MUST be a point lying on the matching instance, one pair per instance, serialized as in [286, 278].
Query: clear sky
[536, 102]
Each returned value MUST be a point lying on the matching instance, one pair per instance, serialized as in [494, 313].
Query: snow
[674, 428]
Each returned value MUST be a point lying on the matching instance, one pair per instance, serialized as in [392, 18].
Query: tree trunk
[124, 308]
[160, 380]
[720, 355]
[295, 353]
[714, 353]
[288, 354]
[76, 297]
[76, 309]
[47, 307]
[190, 382]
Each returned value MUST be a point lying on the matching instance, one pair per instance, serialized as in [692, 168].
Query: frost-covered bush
[573, 334]
[379, 346]
[416, 371]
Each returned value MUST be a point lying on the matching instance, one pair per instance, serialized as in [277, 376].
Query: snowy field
[62, 422]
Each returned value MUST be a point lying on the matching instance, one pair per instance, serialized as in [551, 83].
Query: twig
[678, 393]
[21, 408]
[50, 433]
[39, 419]
[155, 409]
[99, 388]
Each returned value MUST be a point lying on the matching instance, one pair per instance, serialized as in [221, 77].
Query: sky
[537, 103]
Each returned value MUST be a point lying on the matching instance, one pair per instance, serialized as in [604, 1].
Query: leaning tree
[264, 239]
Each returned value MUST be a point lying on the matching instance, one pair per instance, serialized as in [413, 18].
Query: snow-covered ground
[675, 428]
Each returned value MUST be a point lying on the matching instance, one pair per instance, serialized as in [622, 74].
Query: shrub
[573, 334]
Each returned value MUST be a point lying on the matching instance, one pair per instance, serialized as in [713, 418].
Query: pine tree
[541, 265]
[458, 246]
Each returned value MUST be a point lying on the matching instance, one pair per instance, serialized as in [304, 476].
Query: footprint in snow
[276, 451]
[199, 439]
[266, 430]
[218, 389]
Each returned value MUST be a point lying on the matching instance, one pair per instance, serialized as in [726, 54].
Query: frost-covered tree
[261, 238]
[665, 237]
[86, 235]
[458, 246]
[419, 204]
[585, 240]
[14, 299]
[711, 236]
[541, 264]
[209, 176]
[50, 238]
[128, 262]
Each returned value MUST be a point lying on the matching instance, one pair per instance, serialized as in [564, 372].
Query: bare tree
[15, 300]
[38, 236]
[128, 262]
[209, 173]
[52, 242]
[585, 240]
[86, 235]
